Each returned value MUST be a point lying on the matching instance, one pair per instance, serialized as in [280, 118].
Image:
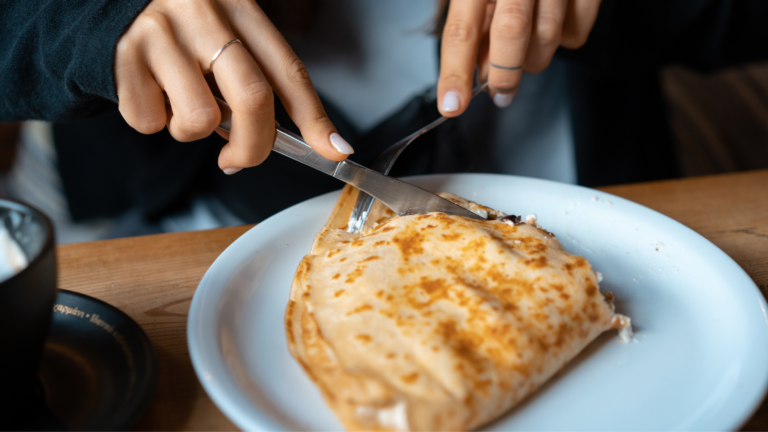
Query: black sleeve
[701, 34]
[57, 56]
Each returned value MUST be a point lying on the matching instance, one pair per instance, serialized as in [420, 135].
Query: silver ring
[221, 50]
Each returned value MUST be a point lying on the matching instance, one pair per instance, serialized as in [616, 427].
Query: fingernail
[502, 99]
[450, 101]
[230, 171]
[340, 144]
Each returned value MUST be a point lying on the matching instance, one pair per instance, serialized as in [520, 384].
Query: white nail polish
[450, 101]
[230, 171]
[502, 99]
[340, 144]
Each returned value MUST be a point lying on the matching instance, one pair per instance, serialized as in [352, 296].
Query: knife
[401, 197]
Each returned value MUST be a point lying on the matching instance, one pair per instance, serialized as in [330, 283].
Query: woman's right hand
[168, 48]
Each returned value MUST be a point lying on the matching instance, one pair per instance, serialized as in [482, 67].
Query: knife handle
[401, 197]
[286, 143]
[291, 145]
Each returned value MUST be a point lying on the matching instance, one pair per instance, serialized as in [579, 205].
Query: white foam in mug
[12, 258]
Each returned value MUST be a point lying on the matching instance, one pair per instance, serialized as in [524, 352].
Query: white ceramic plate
[699, 359]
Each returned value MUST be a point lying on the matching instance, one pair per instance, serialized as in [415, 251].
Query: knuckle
[455, 79]
[316, 123]
[127, 72]
[257, 96]
[197, 123]
[146, 124]
[548, 30]
[203, 118]
[458, 32]
[152, 23]
[321, 117]
[511, 22]
[199, 9]
[504, 82]
[125, 49]
[296, 72]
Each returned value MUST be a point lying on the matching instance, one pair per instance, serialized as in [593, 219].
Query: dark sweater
[57, 56]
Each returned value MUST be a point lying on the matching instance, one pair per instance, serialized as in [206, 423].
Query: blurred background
[375, 65]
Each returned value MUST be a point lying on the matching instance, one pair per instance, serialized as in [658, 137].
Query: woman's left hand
[503, 38]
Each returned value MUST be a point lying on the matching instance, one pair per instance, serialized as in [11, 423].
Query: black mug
[26, 308]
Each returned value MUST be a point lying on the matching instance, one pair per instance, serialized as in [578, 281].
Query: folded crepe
[437, 322]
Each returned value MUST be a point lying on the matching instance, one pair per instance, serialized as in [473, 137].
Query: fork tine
[384, 163]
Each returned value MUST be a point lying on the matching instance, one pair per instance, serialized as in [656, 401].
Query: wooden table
[153, 278]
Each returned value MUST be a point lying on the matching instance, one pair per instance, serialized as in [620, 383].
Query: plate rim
[228, 404]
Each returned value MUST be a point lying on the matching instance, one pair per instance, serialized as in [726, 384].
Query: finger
[141, 101]
[458, 58]
[238, 78]
[194, 113]
[485, 42]
[289, 79]
[510, 34]
[547, 29]
[578, 23]
[249, 95]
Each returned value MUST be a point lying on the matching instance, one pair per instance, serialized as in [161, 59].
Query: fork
[384, 163]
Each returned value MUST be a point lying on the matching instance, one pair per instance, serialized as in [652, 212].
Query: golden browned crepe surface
[437, 322]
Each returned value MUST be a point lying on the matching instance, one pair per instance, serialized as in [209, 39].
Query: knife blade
[401, 197]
